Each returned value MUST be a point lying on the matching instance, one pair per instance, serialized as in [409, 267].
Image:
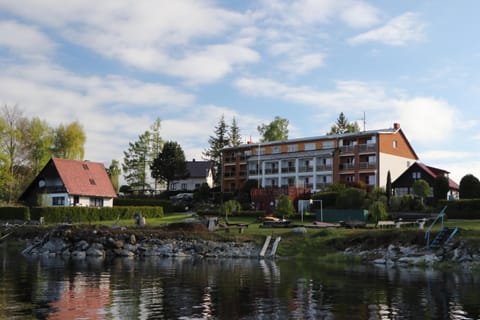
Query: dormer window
[85, 166]
[92, 182]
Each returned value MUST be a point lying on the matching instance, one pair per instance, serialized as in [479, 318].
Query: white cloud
[24, 40]
[301, 12]
[427, 120]
[399, 31]
[186, 39]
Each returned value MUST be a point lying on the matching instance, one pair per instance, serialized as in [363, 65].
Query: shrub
[377, 211]
[351, 198]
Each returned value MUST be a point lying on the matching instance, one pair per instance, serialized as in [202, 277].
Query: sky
[117, 65]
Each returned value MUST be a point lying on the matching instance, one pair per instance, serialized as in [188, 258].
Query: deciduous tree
[69, 141]
[469, 187]
[114, 174]
[274, 131]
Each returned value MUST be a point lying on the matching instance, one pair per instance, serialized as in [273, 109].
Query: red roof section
[84, 178]
[435, 172]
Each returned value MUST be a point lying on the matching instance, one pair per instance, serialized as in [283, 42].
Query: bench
[227, 228]
[385, 224]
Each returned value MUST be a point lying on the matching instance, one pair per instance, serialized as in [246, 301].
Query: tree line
[26, 145]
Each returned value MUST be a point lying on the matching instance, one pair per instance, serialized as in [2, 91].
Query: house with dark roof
[199, 172]
[403, 184]
[65, 182]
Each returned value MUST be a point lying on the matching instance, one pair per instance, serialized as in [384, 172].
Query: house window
[184, 186]
[96, 202]
[92, 182]
[173, 186]
[395, 144]
[416, 175]
[58, 201]
[197, 185]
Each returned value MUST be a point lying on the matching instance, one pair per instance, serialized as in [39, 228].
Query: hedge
[462, 209]
[15, 213]
[145, 202]
[78, 214]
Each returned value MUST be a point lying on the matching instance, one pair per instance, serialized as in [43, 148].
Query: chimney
[396, 125]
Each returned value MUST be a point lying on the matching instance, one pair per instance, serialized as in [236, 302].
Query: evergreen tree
[235, 138]
[170, 164]
[274, 131]
[389, 188]
[214, 153]
[343, 126]
[156, 145]
[440, 188]
[136, 162]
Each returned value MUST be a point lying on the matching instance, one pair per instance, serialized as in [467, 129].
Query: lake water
[165, 288]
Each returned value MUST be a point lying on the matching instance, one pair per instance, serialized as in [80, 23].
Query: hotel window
[275, 149]
[327, 144]
[309, 146]
[260, 151]
[292, 148]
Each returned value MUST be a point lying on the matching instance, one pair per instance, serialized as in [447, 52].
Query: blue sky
[116, 66]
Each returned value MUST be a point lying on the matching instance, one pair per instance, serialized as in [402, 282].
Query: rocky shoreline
[66, 241]
[397, 255]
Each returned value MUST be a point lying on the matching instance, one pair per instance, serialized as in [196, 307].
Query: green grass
[321, 242]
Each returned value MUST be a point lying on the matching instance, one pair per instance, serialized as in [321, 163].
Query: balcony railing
[347, 166]
[367, 165]
[347, 149]
[324, 167]
[288, 170]
[367, 147]
[271, 170]
[305, 169]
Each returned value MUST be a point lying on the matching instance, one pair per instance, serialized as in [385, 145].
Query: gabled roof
[432, 172]
[84, 178]
[198, 169]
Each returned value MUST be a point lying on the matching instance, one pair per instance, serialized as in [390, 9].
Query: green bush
[351, 198]
[329, 199]
[377, 211]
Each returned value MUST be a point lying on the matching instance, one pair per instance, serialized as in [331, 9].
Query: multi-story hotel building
[318, 162]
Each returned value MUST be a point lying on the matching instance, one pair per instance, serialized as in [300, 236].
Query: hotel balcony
[367, 165]
[324, 167]
[360, 148]
[305, 169]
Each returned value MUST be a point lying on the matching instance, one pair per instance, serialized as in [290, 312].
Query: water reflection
[159, 288]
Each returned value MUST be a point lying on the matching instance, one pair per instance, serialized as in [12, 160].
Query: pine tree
[343, 126]
[136, 162]
[235, 138]
[217, 143]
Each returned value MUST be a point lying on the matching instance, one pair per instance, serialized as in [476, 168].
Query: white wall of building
[397, 165]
